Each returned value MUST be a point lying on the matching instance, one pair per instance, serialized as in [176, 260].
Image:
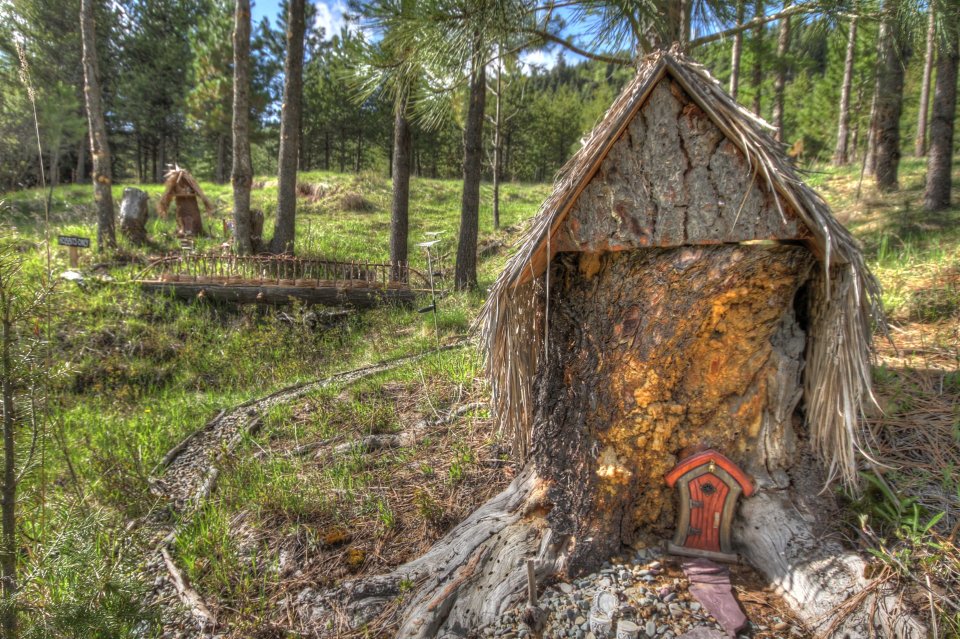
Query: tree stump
[133, 215]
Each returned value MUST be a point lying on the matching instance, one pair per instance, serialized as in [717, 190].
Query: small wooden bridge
[279, 279]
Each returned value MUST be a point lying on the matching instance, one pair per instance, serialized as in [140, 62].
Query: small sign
[73, 240]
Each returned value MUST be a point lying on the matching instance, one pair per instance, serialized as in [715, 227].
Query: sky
[330, 16]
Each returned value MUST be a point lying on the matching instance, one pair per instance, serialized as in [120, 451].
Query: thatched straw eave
[844, 308]
[176, 178]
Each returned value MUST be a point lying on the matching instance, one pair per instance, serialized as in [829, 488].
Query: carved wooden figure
[709, 485]
[182, 186]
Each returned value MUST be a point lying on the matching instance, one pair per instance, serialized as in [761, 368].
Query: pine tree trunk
[8, 496]
[284, 230]
[497, 146]
[399, 210]
[757, 77]
[358, 158]
[936, 195]
[466, 267]
[737, 52]
[99, 145]
[780, 79]
[841, 154]
[920, 144]
[80, 174]
[221, 158]
[242, 174]
[889, 100]
[161, 166]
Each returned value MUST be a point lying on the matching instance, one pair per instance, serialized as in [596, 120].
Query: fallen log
[358, 297]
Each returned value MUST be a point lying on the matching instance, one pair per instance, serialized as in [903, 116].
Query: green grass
[134, 374]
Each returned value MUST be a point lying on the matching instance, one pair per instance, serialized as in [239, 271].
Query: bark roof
[844, 306]
[175, 180]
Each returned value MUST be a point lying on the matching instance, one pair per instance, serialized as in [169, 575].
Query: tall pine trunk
[284, 231]
[780, 79]
[466, 268]
[936, 196]
[757, 77]
[841, 154]
[8, 495]
[737, 52]
[221, 158]
[497, 145]
[399, 210]
[920, 144]
[889, 100]
[99, 146]
[242, 174]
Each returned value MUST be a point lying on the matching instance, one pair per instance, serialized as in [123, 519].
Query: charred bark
[651, 352]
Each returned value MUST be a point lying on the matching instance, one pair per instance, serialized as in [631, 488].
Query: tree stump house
[181, 187]
[681, 290]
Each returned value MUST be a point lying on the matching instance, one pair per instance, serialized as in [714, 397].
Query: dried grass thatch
[176, 182]
[843, 309]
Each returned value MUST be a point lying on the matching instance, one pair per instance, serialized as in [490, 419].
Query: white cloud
[539, 58]
[332, 16]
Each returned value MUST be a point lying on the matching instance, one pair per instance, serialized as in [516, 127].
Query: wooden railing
[278, 270]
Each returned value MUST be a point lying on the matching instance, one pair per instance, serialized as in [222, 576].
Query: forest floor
[306, 499]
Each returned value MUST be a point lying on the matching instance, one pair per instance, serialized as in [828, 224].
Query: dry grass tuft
[356, 203]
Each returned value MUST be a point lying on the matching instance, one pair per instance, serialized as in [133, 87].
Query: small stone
[650, 628]
[566, 588]
[695, 606]
[579, 620]
[670, 596]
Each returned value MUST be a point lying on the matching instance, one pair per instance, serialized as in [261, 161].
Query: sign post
[73, 244]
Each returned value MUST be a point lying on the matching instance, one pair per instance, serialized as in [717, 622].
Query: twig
[188, 595]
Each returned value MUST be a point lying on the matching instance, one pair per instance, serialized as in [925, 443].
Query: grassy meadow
[124, 376]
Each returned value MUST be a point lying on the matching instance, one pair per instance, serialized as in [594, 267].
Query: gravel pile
[647, 595]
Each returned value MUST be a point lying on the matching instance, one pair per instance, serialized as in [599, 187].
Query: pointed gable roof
[845, 297]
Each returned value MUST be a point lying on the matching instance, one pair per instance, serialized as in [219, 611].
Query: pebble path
[649, 593]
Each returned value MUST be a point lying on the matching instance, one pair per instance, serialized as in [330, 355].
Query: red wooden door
[707, 496]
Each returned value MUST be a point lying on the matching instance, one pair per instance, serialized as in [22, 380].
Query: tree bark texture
[99, 145]
[400, 208]
[920, 143]
[284, 230]
[936, 194]
[466, 266]
[497, 145]
[780, 78]
[673, 179]
[8, 551]
[889, 100]
[737, 52]
[757, 77]
[651, 352]
[841, 154]
[242, 174]
[133, 215]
